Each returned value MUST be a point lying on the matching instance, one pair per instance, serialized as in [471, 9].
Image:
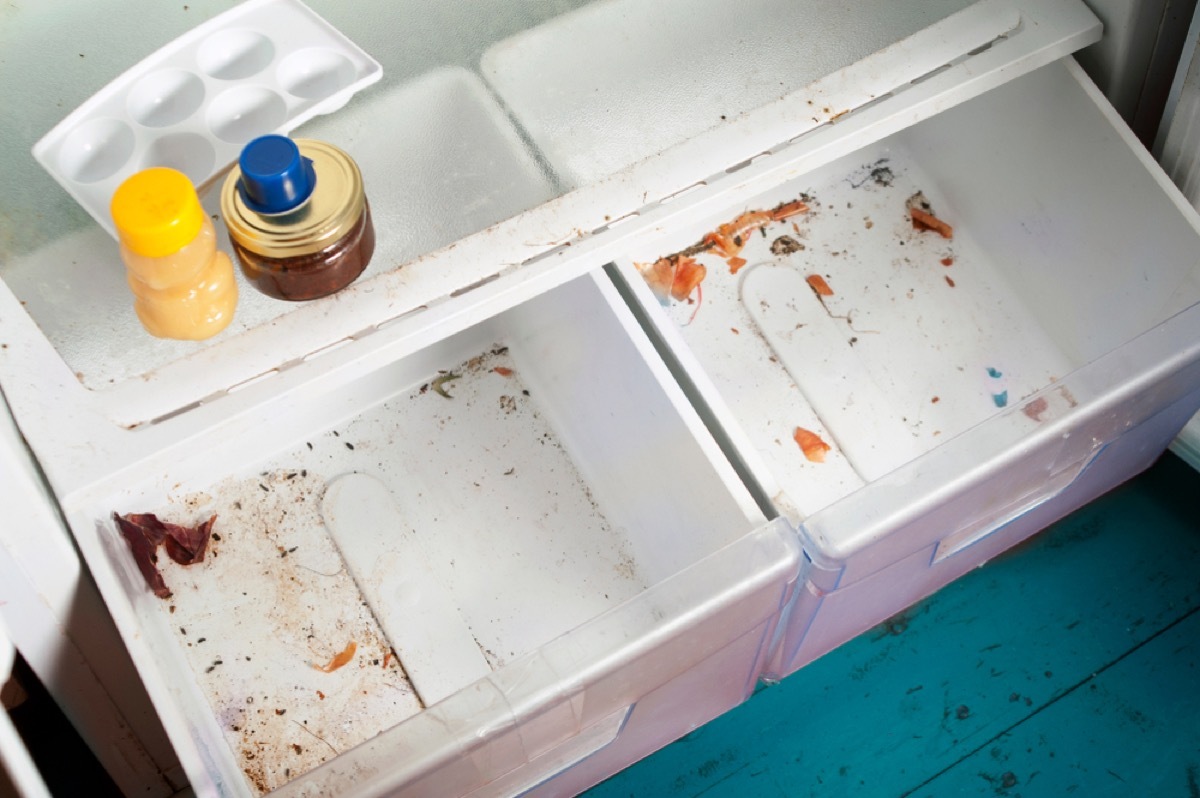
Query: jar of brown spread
[298, 217]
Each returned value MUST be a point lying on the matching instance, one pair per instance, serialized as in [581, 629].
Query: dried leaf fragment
[144, 532]
[811, 444]
[439, 384]
[339, 659]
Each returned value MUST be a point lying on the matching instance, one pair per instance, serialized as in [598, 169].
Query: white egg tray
[265, 66]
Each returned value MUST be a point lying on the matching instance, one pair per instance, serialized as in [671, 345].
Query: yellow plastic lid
[156, 212]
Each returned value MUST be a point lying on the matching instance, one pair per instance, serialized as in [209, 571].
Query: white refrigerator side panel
[58, 623]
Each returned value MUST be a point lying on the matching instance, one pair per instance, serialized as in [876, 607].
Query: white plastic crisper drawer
[551, 553]
[472, 546]
[958, 393]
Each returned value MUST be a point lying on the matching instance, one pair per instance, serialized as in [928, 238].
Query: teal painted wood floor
[1068, 666]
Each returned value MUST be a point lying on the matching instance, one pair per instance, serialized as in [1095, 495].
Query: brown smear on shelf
[811, 444]
[1036, 409]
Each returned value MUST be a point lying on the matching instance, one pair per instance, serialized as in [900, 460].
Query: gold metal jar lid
[331, 212]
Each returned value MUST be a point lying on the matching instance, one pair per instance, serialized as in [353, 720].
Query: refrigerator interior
[581, 528]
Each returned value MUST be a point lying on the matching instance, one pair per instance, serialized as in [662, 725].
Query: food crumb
[735, 331]
[1036, 409]
[817, 283]
[947, 261]
[339, 659]
[811, 444]
[949, 281]
[785, 245]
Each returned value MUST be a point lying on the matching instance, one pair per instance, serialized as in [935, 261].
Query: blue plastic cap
[275, 178]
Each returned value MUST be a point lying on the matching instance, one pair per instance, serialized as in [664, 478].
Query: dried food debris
[923, 217]
[339, 659]
[949, 280]
[502, 371]
[729, 238]
[144, 532]
[675, 276]
[817, 283]
[785, 245]
[439, 384]
[1036, 408]
[878, 173]
[811, 444]
[948, 261]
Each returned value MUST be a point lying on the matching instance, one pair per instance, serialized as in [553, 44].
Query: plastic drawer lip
[773, 545]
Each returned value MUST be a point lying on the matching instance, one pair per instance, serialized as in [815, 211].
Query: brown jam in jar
[298, 217]
[317, 274]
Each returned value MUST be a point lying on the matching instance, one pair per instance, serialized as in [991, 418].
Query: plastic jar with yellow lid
[183, 287]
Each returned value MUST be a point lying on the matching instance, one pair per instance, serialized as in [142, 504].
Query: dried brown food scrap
[785, 245]
[923, 217]
[144, 532]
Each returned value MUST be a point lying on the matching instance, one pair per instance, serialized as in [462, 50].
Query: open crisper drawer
[918, 403]
[524, 531]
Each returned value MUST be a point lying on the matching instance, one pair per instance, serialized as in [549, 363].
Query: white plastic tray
[264, 66]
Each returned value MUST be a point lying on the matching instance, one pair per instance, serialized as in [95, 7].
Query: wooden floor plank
[1132, 729]
[905, 702]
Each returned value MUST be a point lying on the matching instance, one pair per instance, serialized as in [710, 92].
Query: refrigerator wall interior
[538, 470]
[957, 381]
[466, 192]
